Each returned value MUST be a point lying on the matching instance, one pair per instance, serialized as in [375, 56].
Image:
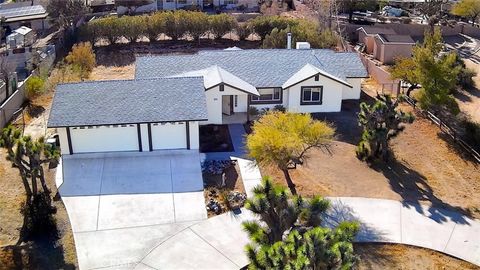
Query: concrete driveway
[121, 204]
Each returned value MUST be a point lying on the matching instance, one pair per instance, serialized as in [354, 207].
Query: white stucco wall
[169, 135]
[352, 93]
[104, 139]
[62, 135]
[214, 103]
[194, 135]
[331, 101]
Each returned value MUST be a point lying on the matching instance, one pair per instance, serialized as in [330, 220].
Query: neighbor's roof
[23, 30]
[23, 13]
[259, 67]
[396, 38]
[128, 102]
[372, 30]
[215, 75]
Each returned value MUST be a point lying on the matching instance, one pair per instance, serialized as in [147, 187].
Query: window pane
[316, 95]
[276, 93]
[307, 94]
[266, 97]
[254, 98]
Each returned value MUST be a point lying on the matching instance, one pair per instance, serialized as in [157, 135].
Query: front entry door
[227, 102]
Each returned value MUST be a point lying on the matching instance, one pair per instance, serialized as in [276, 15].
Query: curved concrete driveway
[218, 243]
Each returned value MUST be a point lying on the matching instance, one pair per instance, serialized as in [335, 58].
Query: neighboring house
[366, 35]
[34, 17]
[171, 96]
[183, 4]
[385, 44]
[389, 47]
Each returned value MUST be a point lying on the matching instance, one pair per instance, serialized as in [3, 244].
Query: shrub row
[180, 24]
[176, 25]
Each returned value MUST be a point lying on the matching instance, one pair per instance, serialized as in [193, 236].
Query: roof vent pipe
[289, 40]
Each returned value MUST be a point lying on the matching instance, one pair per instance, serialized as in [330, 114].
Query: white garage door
[104, 138]
[169, 135]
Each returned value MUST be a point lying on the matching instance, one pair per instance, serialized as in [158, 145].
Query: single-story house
[34, 17]
[172, 95]
[366, 35]
[388, 47]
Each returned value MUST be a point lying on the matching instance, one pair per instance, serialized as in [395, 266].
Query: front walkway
[237, 134]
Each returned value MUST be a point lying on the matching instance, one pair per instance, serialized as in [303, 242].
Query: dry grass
[30, 255]
[100, 73]
[426, 170]
[401, 257]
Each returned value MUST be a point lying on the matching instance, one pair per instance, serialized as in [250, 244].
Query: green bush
[34, 87]
[221, 24]
[302, 30]
[264, 25]
[243, 31]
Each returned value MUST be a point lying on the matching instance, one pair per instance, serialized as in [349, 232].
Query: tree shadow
[371, 252]
[414, 190]
[457, 149]
[340, 212]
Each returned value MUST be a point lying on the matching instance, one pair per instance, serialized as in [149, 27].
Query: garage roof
[128, 102]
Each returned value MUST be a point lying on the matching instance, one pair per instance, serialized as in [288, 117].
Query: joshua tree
[289, 235]
[381, 122]
[29, 156]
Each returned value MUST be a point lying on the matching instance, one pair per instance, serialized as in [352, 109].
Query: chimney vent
[289, 40]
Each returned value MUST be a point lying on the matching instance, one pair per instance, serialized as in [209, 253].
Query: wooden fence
[446, 129]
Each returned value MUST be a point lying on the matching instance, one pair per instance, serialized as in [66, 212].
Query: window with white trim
[268, 95]
[311, 95]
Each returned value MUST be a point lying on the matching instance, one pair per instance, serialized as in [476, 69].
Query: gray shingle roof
[259, 67]
[128, 102]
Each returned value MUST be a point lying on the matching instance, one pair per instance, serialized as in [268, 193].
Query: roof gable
[309, 71]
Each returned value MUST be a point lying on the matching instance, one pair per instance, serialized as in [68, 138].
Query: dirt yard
[61, 255]
[427, 169]
[401, 257]
[469, 101]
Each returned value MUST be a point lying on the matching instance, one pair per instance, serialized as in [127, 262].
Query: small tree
[155, 25]
[196, 24]
[380, 122]
[66, 12]
[283, 140]
[243, 31]
[405, 70]
[175, 26]
[34, 87]
[131, 27]
[82, 58]
[221, 24]
[289, 234]
[469, 9]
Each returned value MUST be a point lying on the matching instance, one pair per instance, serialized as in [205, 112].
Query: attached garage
[129, 115]
[108, 138]
[171, 135]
